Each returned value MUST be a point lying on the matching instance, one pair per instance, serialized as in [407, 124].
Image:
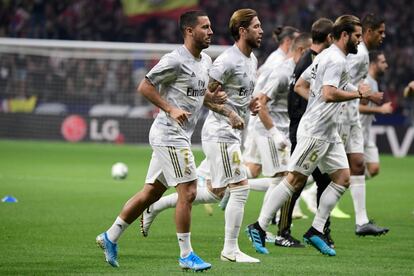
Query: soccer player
[284, 36]
[235, 71]
[373, 28]
[377, 67]
[318, 141]
[269, 131]
[321, 39]
[177, 84]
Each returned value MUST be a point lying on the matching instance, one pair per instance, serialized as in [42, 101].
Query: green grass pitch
[67, 196]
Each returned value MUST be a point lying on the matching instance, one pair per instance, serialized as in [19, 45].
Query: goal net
[42, 82]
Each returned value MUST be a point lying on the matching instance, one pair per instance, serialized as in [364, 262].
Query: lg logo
[74, 128]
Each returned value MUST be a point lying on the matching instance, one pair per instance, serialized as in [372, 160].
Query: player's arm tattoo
[235, 120]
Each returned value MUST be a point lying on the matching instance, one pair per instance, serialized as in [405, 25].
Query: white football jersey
[358, 70]
[367, 119]
[277, 90]
[237, 75]
[267, 67]
[182, 81]
[321, 118]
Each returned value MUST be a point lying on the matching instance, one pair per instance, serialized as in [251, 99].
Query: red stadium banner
[141, 10]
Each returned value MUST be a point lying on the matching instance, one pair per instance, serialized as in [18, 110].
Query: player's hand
[236, 121]
[179, 115]
[281, 141]
[364, 90]
[255, 106]
[376, 97]
[219, 96]
[386, 108]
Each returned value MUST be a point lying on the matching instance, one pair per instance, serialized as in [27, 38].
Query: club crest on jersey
[187, 171]
[237, 171]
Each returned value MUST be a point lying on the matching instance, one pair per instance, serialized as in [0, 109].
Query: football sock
[116, 230]
[204, 195]
[277, 197]
[233, 218]
[165, 202]
[358, 194]
[184, 241]
[328, 201]
[259, 184]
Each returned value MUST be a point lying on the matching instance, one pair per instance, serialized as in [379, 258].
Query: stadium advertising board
[395, 140]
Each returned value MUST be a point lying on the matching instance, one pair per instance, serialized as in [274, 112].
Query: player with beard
[318, 141]
[377, 67]
[321, 39]
[373, 27]
[177, 84]
[235, 71]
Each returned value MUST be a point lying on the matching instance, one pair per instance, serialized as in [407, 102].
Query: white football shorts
[310, 153]
[262, 149]
[352, 137]
[171, 165]
[226, 163]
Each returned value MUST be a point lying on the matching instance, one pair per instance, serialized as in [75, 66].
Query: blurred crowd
[105, 20]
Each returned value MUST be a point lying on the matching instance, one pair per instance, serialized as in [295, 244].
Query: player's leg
[284, 237]
[226, 168]
[204, 196]
[302, 163]
[371, 158]
[336, 164]
[322, 181]
[184, 177]
[133, 208]
[357, 187]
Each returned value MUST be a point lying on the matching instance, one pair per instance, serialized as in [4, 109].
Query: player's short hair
[302, 40]
[190, 19]
[372, 21]
[281, 33]
[321, 28]
[373, 55]
[240, 18]
[345, 23]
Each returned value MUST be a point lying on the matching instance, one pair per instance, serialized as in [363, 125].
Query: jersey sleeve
[221, 69]
[307, 74]
[275, 84]
[165, 71]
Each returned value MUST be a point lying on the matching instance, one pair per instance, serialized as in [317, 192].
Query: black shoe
[328, 238]
[286, 240]
[317, 240]
[370, 229]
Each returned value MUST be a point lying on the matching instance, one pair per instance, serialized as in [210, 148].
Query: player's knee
[374, 170]
[296, 180]
[357, 167]
[346, 181]
[341, 177]
[190, 195]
